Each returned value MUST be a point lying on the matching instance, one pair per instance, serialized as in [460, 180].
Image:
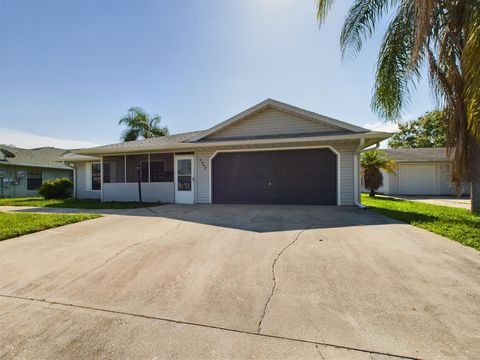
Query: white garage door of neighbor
[417, 179]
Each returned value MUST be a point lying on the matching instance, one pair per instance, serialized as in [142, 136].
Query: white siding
[347, 180]
[83, 182]
[440, 186]
[272, 122]
[346, 151]
[151, 192]
[202, 184]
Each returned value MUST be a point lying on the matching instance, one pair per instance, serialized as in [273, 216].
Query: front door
[184, 179]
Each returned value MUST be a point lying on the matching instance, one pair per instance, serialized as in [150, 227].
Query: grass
[454, 223]
[16, 224]
[72, 203]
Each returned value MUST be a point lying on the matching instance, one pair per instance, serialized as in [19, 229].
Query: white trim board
[339, 197]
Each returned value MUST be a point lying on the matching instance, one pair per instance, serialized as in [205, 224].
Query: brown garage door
[275, 177]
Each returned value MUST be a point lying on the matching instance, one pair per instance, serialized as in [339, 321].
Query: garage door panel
[417, 179]
[275, 177]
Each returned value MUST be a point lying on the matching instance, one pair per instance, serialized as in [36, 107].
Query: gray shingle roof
[41, 157]
[160, 141]
[417, 155]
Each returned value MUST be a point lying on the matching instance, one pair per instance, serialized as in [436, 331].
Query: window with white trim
[96, 176]
[34, 178]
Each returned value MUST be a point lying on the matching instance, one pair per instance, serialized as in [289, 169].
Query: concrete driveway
[239, 282]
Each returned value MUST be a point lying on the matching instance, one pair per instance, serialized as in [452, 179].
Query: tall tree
[428, 131]
[141, 125]
[443, 35]
[372, 163]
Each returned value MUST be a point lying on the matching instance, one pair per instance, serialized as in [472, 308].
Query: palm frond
[424, 19]
[471, 67]
[360, 23]
[323, 7]
[395, 76]
[130, 135]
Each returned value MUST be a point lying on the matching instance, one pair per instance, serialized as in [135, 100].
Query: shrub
[56, 189]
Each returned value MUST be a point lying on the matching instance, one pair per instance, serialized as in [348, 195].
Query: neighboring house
[272, 153]
[22, 171]
[420, 171]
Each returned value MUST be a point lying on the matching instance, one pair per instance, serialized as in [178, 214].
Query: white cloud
[27, 140]
[382, 126]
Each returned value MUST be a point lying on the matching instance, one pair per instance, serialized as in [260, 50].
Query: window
[184, 174]
[96, 177]
[34, 178]
[157, 171]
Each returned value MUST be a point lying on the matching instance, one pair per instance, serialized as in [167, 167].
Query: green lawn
[16, 224]
[72, 203]
[454, 223]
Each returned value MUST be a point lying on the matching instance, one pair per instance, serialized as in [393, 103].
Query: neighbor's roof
[417, 154]
[46, 157]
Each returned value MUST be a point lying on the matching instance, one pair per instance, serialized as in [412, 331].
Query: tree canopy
[441, 36]
[428, 131]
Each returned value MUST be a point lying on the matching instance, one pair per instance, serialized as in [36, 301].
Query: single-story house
[420, 171]
[22, 171]
[271, 153]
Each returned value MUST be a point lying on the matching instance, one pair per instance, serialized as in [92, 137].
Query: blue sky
[69, 69]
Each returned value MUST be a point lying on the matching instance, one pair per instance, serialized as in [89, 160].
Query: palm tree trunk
[475, 195]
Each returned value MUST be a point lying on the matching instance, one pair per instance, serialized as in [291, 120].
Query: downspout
[356, 171]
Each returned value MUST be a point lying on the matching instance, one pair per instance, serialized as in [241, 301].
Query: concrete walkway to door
[223, 281]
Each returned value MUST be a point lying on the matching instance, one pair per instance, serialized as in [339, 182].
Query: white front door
[184, 179]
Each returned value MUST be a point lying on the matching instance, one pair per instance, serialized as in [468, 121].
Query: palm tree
[372, 163]
[441, 35]
[141, 125]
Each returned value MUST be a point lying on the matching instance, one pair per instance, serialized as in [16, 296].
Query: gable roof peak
[281, 106]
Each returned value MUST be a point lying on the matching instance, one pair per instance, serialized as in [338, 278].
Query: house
[271, 153]
[22, 171]
[420, 171]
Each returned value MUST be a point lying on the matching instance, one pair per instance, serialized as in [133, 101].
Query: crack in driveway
[111, 258]
[259, 327]
[220, 328]
[319, 352]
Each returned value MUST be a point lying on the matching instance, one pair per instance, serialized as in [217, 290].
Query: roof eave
[378, 136]
[65, 167]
